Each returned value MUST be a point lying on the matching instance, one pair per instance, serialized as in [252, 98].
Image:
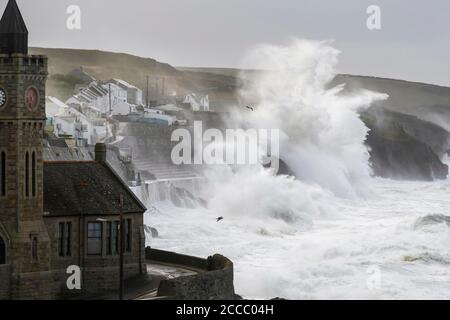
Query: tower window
[3, 174]
[2, 251]
[33, 174]
[34, 248]
[27, 174]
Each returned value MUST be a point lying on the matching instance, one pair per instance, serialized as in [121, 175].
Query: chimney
[139, 180]
[100, 152]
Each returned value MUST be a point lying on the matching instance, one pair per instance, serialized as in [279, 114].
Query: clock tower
[26, 247]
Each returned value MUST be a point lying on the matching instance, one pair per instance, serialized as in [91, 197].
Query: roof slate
[85, 188]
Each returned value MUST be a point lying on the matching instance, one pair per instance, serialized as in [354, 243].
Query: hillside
[428, 102]
[414, 121]
[106, 65]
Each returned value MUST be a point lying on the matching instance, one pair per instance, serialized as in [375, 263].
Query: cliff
[405, 147]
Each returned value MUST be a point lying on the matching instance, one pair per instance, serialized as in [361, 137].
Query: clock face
[31, 98]
[2, 97]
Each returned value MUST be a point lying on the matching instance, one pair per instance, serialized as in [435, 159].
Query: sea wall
[214, 280]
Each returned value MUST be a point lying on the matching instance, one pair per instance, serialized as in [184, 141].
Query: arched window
[33, 174]
[27, 174]
[3, 174]
[2, 251]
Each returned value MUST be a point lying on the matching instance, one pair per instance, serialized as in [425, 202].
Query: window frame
[68, 239]
[91, 238]
[33, 181]
[128, 235]
[65, 239]
[108, 235]
[116, 247]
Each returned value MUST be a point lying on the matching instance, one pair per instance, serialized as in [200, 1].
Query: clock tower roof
[13, 31]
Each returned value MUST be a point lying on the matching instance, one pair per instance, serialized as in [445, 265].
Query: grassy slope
[106, 65]
[426, 101]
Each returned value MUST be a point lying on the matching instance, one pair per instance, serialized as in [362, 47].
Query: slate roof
[85, 187]
[12, 21]
[13, 31]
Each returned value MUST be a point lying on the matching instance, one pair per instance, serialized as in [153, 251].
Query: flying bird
[250, 108]
[219, 219]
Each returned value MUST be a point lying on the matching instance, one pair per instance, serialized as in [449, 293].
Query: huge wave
[315, 234]
[322, 137]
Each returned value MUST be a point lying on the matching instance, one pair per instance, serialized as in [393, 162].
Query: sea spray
[295, 238]
[322, 139]
[324, 136]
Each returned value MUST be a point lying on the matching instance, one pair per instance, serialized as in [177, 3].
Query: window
[115, 237]
[109, 238]
[3, 174]
[94, 246]
[2, 251]
[27, 174]
[33, 174]
[112, 237]
[113, 234]
[34, 248]
[128, 235]
[61, 239]
[64, 239]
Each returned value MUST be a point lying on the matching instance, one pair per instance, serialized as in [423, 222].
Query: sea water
[333, 231]
[384, 238]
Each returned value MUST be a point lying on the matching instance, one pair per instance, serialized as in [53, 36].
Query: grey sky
[413, 44]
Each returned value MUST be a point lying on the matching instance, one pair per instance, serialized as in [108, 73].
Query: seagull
[250, 108]
[219, 219]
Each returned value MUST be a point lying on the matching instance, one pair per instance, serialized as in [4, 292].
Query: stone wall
[214, 281]
[21, 208]
[5, 280]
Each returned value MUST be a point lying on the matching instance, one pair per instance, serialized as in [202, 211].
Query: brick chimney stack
[100, 152]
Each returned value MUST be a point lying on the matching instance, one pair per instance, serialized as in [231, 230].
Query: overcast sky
[413, 44]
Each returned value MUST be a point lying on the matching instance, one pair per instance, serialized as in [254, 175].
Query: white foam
[317, 237]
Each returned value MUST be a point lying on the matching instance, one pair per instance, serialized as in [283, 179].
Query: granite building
[54, 214]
